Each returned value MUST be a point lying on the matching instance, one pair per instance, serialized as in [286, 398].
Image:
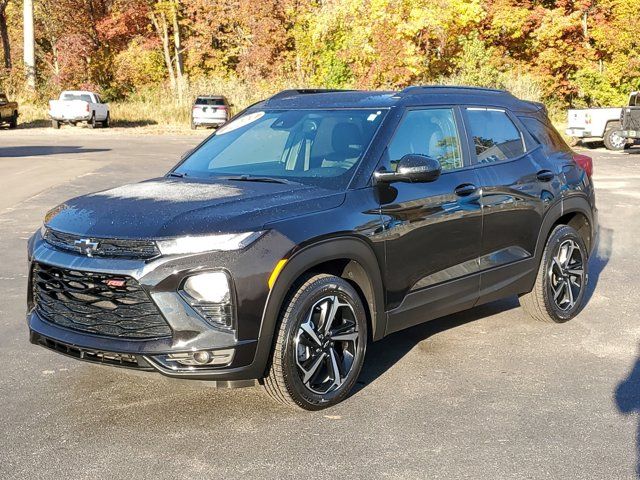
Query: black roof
[411, 96]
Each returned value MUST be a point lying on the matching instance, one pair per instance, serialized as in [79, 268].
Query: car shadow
[599, 260]
[627, 399]
[382, 355]
[43, 150]
[132, 123]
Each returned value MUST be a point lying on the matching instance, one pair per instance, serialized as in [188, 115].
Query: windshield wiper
[177, 174]
[250, 178]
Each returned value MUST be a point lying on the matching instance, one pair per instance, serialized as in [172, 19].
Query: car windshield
[314, 147]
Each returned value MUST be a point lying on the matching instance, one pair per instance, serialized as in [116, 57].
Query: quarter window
[495, 137]
[430, 132]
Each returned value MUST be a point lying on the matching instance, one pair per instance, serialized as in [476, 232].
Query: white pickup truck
[75, 106]
[598, 124]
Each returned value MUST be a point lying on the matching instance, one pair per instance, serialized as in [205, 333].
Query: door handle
[465, 189]
[545, 175]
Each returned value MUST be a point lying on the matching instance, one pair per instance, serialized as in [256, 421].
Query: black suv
[311, 224]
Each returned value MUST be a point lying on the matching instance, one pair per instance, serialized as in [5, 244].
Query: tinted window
[210, 101]
[77, 96]
[494, 135]
[545, 135]
[3, 98]
[430, 132]
[318, 147]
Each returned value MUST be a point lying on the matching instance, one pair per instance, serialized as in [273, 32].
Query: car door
[432, 230]
[518, 183]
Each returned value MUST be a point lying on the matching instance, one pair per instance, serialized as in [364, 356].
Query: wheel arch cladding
[575, 212]
[349, 258]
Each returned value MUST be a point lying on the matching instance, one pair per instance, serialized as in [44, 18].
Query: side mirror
[412, 168]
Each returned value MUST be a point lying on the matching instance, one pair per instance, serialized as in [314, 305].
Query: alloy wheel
[566, 275]
[326, 344]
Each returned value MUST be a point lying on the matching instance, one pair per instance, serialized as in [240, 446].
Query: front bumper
[161, 278]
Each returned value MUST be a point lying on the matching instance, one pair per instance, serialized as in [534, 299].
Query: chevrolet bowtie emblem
[86, 246]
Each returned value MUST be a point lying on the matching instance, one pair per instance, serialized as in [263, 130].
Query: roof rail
[305, 91]
[413, 90]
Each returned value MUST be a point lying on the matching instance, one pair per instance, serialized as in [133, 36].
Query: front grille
[102, 247]
[97, 303]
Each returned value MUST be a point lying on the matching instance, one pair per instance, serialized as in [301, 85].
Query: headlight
[209, 294]
[208, 243]
[212, 287]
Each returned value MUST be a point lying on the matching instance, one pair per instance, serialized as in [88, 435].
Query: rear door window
[494, 136]
[431, 132]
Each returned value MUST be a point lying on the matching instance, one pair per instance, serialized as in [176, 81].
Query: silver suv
[209, 111]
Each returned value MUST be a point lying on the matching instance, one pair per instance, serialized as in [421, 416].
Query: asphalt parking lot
[488, 393]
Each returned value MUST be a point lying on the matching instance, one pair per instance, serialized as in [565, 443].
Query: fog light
[202, 358]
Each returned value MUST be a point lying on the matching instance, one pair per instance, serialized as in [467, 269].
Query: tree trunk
[177, 43]
[160, 24]
[4, 34]
[29, 45]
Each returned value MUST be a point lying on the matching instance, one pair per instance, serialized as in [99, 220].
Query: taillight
[585, 162]
[87, 107]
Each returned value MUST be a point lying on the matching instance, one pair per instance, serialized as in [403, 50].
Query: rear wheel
[55, 124]
[92, 122]
[613, 140]
[558, 294]
[106, 122]
[320, 344]
[13, 123]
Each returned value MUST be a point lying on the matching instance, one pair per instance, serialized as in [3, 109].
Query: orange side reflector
[276, 271]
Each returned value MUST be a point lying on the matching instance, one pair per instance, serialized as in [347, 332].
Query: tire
[13, 123]
[302, 373]
[106, 123]
[92, 121]
[556, 297]
[612, 139]
[55, 124]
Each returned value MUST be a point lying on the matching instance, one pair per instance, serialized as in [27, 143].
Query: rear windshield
[76, 96]
[210, 101]
[312, 147]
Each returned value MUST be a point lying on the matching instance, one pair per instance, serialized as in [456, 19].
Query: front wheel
[559, 291]
[613, 140]
[13, 123]
[320, 344]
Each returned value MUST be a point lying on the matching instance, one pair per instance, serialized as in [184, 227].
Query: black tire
[106, 123]
[55, 124]
[612, 138]
[540, 303]
[13, 123]
[285, 380]
[92, 122]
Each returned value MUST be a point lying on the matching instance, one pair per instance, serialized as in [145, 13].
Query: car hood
[168, 207]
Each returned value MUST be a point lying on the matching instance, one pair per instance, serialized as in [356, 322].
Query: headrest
[346, 137]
